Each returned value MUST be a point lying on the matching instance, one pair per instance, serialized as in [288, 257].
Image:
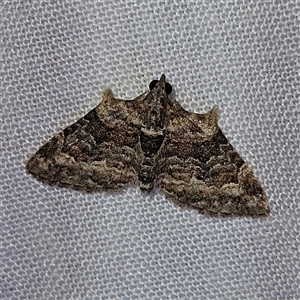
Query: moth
[154, 142]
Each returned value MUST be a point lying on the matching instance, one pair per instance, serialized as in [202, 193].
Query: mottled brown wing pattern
[200, 169]
[96, 153]
[152, 141]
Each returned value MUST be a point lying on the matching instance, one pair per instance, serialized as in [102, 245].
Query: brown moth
[154, 142]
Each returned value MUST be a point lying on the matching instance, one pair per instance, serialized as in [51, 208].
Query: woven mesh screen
[57, 56]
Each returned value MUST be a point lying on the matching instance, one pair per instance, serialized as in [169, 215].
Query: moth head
[161, 84]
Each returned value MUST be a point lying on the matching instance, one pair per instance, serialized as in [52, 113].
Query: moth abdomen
[151, 141]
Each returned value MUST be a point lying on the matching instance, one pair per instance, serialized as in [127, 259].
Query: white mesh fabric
[57, 56]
